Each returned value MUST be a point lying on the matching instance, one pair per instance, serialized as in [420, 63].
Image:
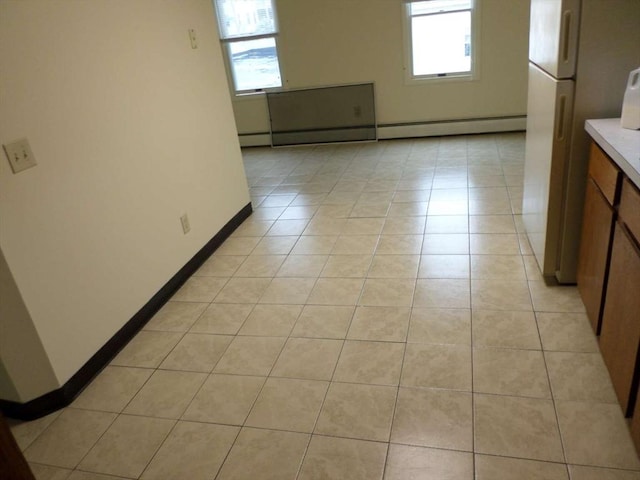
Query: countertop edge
[601, 132]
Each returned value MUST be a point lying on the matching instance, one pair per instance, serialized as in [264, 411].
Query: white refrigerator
[580, 56]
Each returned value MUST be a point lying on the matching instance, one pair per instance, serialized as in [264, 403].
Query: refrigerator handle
[560, 120]
[566, 36]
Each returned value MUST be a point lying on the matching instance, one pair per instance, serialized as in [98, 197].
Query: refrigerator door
[553, 36]
[549, 111]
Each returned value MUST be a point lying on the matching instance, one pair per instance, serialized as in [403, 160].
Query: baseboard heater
[343, 113]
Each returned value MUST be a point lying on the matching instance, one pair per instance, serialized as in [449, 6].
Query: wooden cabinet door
[620, 335]
[597, 226]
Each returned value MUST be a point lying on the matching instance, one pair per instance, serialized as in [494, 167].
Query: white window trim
[473, 75]
[224, 47]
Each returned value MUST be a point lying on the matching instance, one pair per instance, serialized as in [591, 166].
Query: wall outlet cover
[20, 155]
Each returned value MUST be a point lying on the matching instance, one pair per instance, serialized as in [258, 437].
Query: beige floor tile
[517, 427]
[278, 200]
[288, 404]
[112, 389]
[237, 246]
[357, 411]
[243, 290]
[302, 265]
[25, 432]
[579, 376]
[497, 266]
[69, 437]
[509, 329]
[265, 454]
[555, 298]
[275, 245]
[282, 227]
[399, 245]
[325, 226]
[388, 292]
[314, 245]
[288, 291]
[127, 446]
[323, 321]
[267, 213]
[491, 224]
[525, 246]
[596, 434]
[363, 226]
[442, 293]
[336, 210]
[494, 244]
[496, 294]
[433, 418]
[222, 318]
[336, 291]
[447, 207]
[447, 224]
[510, 372]
[45, 472]
[412, 209]
[503, 468]
[340, 458]
[308, 358]
[347, 266]
[147, 349]
[437, 366]
[176, 316]
[394, 266]
[445, 244]
[420, 463]
[439, 325]
[200, 289]
[192, 450]
[260, 266]
[444, 266]
[497, 206]
[271, 320]
[376, 363]
[404, 225]
[197, 352]
[250, 356]
[385, 324]
[579, 472]
[374, 210]
[252, 228]
[224, 399]
[568, 332]
[166, 394]
[355, 245]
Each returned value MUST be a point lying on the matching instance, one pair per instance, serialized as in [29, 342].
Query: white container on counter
[631, 104]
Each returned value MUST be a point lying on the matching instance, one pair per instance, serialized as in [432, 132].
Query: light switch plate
[20, 155]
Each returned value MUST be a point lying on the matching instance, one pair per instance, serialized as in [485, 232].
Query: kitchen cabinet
[620, 334]
[597, 229]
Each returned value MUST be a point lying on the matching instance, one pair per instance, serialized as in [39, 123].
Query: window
[440, 38]
[248, 31]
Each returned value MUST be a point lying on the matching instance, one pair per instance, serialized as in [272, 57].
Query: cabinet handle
[566, 28]
[560, 120]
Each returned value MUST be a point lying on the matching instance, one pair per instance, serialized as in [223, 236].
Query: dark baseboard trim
[64, 395]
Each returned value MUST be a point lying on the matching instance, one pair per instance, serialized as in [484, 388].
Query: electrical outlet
[184, 220]
[20, 155]
[193, 38]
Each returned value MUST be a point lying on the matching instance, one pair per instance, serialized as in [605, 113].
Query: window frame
[225, 44]
[470, 75]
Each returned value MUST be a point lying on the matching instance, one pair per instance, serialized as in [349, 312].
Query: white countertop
[621, 144]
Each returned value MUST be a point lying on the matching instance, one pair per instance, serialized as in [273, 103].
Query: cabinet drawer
[630, 208]
[620, 335]
[604, 173]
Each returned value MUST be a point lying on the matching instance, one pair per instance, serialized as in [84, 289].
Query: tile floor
[380, 315]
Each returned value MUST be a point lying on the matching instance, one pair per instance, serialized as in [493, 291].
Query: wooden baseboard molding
[389, 131]
[64, 395]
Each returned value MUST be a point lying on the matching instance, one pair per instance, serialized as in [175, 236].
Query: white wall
[345, 41]
[131, 128]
